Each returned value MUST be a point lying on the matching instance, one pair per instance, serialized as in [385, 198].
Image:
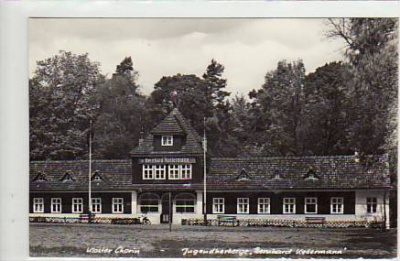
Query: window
[243, 205]
[96, 205]
[117, 205]
[56, 205]
[167, 140]
[180, 171]
[289, 205]
[372, 204]
[38, 205]
[218, 205]
[173, 171]
[77, 205]
[336, 205]
[185, 203]
[263, 205]
[154, 172]
[147, 172]
[148, 202]
[159, 171]
[186, 171]
[310, 206]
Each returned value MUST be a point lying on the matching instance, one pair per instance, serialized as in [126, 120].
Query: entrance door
[166, 208]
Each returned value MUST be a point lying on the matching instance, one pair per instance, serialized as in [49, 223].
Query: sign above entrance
[167, 160]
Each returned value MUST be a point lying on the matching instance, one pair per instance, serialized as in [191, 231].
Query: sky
[248, 48]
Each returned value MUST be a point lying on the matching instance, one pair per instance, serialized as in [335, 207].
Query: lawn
[105, 240]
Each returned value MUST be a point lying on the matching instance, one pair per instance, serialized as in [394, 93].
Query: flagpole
[90, 173]
[205, 172]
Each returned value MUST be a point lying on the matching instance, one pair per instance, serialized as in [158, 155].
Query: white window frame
[119, 203]
[96, 205]
[264, 205]
[311, 201]
[56, 205]
[186, 171]
[154, 172]
[38, 205]
[243, 206]
[78, 203]
[167, 140]
[160, 171]
[180, 171]
[290, 203]
[174, 171]
[153, 199]
[218, 205]
[372, 204]
[337, 203]
[185, 201]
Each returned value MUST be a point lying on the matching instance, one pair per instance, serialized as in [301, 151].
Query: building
[165, 181]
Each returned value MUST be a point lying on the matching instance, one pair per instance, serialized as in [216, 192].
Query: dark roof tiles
[333, 172]
[174, 123]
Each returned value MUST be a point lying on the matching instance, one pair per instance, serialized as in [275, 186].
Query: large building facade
[165, 181]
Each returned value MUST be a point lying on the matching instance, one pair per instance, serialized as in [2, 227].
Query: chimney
[141, 138]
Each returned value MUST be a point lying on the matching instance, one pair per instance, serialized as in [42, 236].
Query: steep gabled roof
[316, 172]
[174, 123]
[170, 125]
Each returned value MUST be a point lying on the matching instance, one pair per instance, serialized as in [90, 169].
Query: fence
[287, 223]
[83, 219]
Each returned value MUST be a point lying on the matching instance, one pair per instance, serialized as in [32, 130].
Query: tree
[122, 114]
[186, 92]
[279, 109]
[326, 110]
[62, 103]
[373, 55]
[215, 84]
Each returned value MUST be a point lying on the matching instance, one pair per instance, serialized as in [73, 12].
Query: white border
[14, 121]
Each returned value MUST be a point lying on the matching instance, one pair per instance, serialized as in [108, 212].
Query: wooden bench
[224, 220]
[315, 221]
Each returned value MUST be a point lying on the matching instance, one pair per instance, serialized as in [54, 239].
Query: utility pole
[90, 173]
[205, 172]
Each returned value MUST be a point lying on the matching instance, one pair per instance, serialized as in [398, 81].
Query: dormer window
[96, 176]
[67, 177]
[311, 175]
[167, 140]
[41, 176]
[243, 176]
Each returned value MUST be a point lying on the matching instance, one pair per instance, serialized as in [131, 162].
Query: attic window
[67, 177]
[167, 140]
[41, 176]
[311, 175]
[243, 176]
[277, 176]
[96, 176]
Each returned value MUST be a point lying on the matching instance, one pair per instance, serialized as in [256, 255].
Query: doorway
[166, 208]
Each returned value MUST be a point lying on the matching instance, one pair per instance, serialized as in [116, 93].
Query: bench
[224, 220]
[315, 220]
[86, 217]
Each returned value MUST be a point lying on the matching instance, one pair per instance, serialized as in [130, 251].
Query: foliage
[62, 94]
[121, 114]
[326, 104]
[279, 108]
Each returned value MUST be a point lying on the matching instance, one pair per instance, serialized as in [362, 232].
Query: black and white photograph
[216, 138]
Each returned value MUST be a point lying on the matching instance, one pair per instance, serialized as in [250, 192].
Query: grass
[82, 240]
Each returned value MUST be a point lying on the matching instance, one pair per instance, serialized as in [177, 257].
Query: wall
[361, 205]
[66, 199]
[276, 201]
